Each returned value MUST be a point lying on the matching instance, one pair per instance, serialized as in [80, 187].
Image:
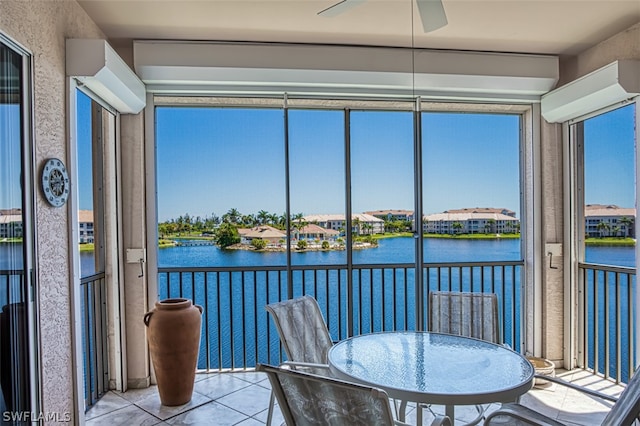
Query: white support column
[134, 231]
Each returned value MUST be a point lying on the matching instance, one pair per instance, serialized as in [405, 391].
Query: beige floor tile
[212, 413]
[127, 416]
[152, 405]
[249, 401]
[108, 403]
[220, 385]
[242, 398]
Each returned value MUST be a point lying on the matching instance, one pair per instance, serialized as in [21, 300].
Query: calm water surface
[391, 250]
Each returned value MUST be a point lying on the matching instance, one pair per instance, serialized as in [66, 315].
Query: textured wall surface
[553, 232]
[134, 236]
[624, 45]
[42, 27]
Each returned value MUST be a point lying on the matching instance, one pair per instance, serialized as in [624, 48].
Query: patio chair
[303, 334]
[465, 314]
[624, 412]
[307, 399]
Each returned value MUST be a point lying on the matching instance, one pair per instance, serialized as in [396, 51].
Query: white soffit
[95, 64]
[197, 68]
[606, 86]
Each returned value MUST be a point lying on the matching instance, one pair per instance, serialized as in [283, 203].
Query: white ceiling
[560, 27]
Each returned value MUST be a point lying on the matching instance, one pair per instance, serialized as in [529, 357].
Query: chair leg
[270, 412]
[402, 412]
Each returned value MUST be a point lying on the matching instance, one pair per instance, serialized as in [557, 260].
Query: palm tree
[603, 227]
[457, 226]
[297, 223]
[492, 225]
[263, 217]
[232, 216]
[274, 220]
[356, 225]
[615, 231]
[627, 222]
[249, 220]
[368, 228]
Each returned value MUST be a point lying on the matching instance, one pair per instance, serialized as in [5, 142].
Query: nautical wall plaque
[55, 182]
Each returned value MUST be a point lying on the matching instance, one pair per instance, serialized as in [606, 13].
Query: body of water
[389, 251]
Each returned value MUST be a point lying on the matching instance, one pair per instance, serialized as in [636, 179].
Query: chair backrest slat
[302, 329]
[627, 409]
[465, 314]
[308, 400]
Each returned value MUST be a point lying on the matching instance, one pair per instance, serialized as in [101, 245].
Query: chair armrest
[519, 412]
[578, 388]
[441, 421]
[304, 365]
[438, 421]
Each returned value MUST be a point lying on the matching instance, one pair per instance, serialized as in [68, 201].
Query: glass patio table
[433, 368]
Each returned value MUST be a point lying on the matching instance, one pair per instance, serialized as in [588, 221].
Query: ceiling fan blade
[340, 7]
[432, 14]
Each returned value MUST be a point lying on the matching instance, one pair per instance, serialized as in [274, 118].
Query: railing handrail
[241, 333]
[605, 292]
[608, 268]
[91, 278]
[164, 269]
[11, 272]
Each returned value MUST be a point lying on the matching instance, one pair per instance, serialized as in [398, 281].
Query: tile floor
[243, 398]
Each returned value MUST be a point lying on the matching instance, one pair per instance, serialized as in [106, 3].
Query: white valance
[253, 68]
[606, 86]
[95, 64]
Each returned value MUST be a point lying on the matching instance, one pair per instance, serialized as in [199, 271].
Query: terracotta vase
[174, 340]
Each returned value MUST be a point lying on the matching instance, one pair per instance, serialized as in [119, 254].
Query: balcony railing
[94, 338]
[237, 332]
[607, 320]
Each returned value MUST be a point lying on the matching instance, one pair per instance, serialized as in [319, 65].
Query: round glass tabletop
[433, 368]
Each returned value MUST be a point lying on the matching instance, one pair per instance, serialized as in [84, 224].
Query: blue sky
[10, 195]
[211, 160]
[85, 177]
[610, 158]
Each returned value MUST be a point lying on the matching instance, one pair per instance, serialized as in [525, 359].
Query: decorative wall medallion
[55, 182]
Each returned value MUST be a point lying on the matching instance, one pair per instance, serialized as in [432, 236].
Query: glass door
[15, 248]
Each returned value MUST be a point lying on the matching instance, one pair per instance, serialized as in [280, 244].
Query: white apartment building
[361, 223]
[392, 214]
[483, 210]
[470, 223]
[609, 221]
[10, 226]
[85, 226]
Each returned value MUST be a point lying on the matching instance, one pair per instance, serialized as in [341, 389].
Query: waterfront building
[10, 226]
[470, 223]
[316, 232]
[361, 223]
[483, 210]
[85, 225]
[406, 215]
[602, 220]
[263, 232]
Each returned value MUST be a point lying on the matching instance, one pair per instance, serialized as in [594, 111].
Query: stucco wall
[42, 27]
[624, 45]
[552, 300]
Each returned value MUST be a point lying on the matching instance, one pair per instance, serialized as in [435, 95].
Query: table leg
[449, 411]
